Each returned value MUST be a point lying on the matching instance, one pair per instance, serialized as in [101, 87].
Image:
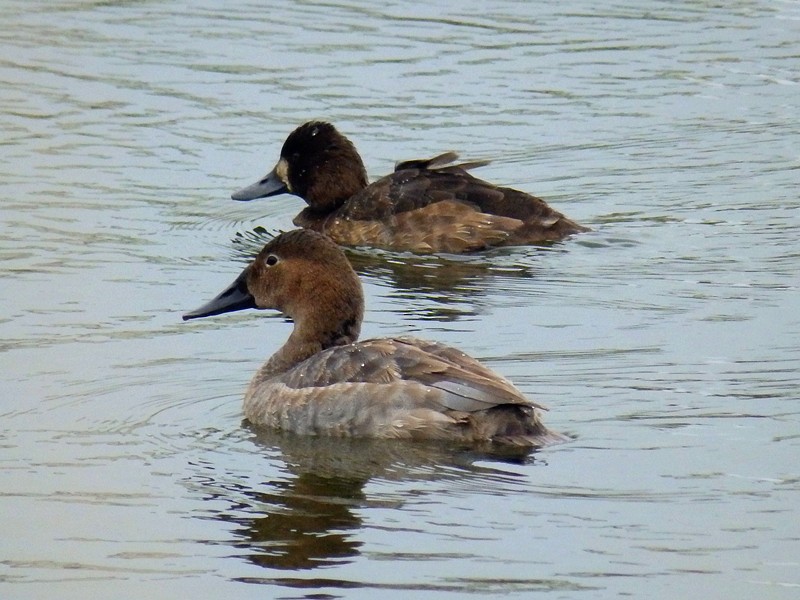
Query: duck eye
[271, 260]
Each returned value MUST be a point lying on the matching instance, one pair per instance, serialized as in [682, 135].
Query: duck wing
[464, 384]
[468, 385]
[442, 210]
[407, 190]
[413, 189]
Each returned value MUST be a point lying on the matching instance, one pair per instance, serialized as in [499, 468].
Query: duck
[425, 206]
[323, 381]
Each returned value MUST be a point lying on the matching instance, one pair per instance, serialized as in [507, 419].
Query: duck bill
[270, 185]
[234, 297]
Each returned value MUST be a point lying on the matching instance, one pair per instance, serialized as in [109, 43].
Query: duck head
[318, 164]
[307, 277]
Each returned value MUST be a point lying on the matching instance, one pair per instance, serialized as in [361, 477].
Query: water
[665, 341]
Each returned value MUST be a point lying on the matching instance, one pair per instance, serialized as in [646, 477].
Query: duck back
[395, 388]
[440, 210]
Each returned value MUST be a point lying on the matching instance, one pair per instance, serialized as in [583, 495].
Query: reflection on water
[311, 517]
[308, 522]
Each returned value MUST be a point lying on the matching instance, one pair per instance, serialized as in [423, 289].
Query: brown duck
[424, 206]
[325, 382]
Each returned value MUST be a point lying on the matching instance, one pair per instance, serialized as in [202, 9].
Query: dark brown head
[318, 164]
[307, 277]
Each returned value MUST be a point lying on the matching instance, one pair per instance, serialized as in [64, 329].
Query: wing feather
[463, 383]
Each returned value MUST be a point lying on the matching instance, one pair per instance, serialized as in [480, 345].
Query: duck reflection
[455, 284]
[308, 522]
[313, 518]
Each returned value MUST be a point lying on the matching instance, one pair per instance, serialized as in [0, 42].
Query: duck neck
[332, 187]
[306, 341]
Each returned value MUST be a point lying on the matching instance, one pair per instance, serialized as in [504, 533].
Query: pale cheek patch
[282, 171]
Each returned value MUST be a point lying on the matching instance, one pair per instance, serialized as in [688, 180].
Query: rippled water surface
[665, 341]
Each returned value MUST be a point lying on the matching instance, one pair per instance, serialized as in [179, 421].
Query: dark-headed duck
[424, 206]
[325, 382]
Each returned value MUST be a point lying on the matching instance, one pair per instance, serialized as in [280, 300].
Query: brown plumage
[323, 381]
[425, 206]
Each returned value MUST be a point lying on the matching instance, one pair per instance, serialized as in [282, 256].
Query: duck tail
[438, 162]
[518, 425]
